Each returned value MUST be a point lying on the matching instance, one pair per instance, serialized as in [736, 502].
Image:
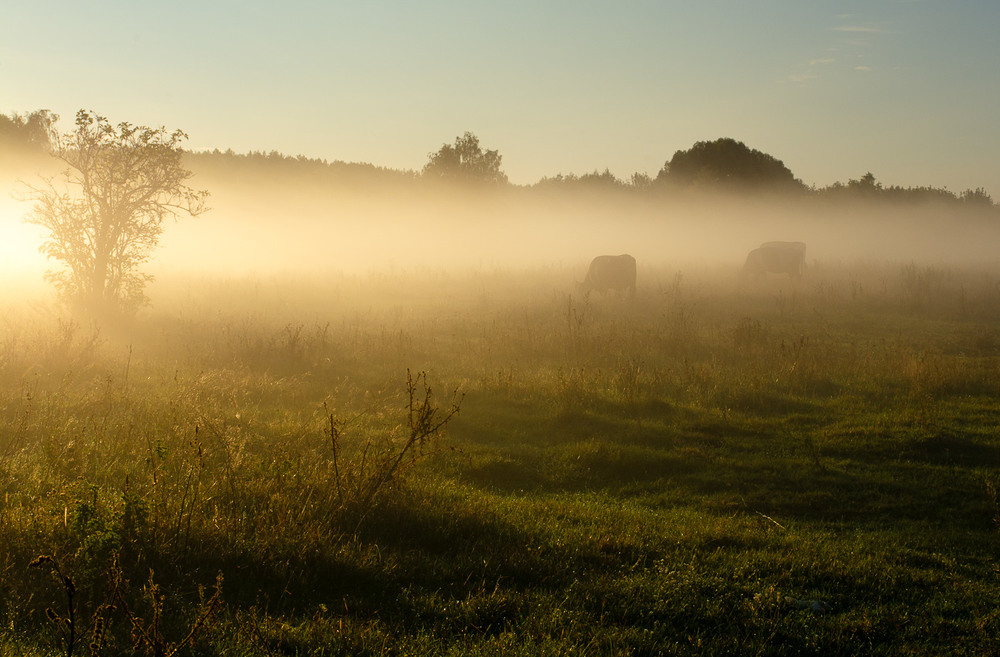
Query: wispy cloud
[845, 52]
[859, 28]
[802, 77]
[812, 71]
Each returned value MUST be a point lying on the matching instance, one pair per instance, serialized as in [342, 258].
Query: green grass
[661, 476]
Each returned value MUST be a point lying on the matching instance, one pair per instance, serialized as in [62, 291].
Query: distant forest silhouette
[724, 166]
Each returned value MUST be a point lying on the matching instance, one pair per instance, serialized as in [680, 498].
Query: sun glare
[19, 242]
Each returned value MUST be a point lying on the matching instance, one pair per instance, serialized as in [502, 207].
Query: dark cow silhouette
[608, 272]
[777, 258]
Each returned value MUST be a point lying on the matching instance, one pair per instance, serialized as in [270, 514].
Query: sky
[905, 89]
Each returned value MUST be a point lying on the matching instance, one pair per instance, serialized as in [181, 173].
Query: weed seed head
[39, 560]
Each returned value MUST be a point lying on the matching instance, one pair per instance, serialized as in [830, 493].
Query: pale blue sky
[906, 89]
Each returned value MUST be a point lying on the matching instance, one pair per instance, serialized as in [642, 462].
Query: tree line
[723, 165]
[104, 214]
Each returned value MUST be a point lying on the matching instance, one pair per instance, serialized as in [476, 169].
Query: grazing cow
[610, 273]
[777, 258]
[798, 246]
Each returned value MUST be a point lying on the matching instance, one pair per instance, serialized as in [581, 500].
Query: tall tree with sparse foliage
[465, 162]
[103, 222]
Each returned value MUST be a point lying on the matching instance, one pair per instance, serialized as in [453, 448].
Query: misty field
[266, 465]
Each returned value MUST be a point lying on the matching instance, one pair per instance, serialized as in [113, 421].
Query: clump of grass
[991, 491]
[360, 474]
[749, 336]
[148, 633]
[65, 625]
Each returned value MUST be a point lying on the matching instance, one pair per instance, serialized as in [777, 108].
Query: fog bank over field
[265, 230]
[273, 219]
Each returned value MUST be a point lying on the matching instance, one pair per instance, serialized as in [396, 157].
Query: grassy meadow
[269, 465]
